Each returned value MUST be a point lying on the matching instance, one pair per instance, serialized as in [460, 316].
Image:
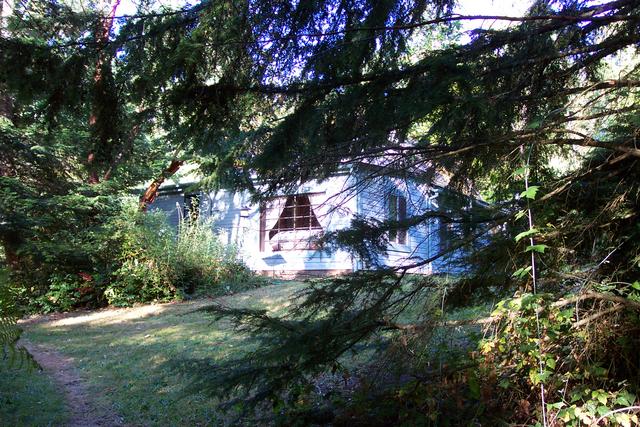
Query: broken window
[294, 228]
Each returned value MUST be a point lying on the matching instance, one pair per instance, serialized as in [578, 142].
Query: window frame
[293, 218]
[397, 211]
[295, 215]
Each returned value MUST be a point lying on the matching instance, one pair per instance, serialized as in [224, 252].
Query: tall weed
[131, 257]
[157, 264]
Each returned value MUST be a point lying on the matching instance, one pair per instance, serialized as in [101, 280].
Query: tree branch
[152, 191]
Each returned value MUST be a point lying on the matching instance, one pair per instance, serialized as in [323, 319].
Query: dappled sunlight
[152, 353]
[111, 316]
[274, 298]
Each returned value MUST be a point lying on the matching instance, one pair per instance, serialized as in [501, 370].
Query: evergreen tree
[292, 91]
[539, 91]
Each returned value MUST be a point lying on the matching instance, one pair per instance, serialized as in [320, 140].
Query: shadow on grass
[28, 397]
[141, 361]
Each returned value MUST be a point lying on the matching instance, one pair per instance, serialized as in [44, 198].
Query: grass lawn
[28, 397]
[125, 357]
[129, 359]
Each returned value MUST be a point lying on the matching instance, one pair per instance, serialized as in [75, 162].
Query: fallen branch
[597, 295]
[621, 303]
[152, 191]
[597, 315]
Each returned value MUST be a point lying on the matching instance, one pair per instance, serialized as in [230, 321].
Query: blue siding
[421, 240]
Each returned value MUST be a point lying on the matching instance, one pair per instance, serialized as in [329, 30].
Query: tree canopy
[540, 117]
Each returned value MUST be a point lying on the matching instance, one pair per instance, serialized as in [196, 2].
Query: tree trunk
[103, 93]
[152, 191]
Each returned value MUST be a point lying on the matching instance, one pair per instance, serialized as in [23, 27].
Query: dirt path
[84, 412]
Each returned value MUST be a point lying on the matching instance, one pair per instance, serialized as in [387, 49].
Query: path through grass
[124, 355]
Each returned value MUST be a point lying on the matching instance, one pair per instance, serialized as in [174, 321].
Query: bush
[583, 348]
[59, 241]
[103, 250]
[155, 264]
[63, 294]
[9, 330]
[142, 271]
[199, 259]
[588, 367]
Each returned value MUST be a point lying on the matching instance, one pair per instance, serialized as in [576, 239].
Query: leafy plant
[10, 354]
[585, 365]
[156, 263]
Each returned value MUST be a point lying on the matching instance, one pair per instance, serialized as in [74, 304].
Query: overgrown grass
[127, 356]
[28, 397]
[130, 358]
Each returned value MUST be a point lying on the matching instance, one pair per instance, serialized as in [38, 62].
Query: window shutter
[402, 215]
[393, 215]
[263, 225]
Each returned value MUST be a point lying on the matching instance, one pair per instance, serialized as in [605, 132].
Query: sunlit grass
[126, 355]
[138, 362]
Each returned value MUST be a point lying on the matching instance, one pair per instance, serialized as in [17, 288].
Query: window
[296, 215]
[292, 226]
[397, 211]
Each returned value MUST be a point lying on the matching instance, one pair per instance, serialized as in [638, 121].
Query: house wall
[449, 235]
[336, 201]
[422, 240]
[296, 263]
[171, 203]
[237, 221]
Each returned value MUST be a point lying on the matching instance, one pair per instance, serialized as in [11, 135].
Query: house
[278, 237]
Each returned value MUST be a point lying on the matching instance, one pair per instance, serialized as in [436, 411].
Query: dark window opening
[296, 215]
[293, 226]
[397, 211]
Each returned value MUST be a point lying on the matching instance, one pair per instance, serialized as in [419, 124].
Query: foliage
[9, 314]
[142, 270]
[341, 313]
[586, 367]
[156, 265]
[292, 91]
[99, 250]
[200, 259]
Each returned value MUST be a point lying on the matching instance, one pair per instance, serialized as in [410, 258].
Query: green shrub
[588, 369]
[9, 314]
[198, 255]
[9, 330]
[141, 270]
[200, 261]
[63, 294]
[157, 264]
[97, 250]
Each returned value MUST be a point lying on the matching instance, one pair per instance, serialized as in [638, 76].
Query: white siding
[244, 232]
[336, 200]
[304, 260]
